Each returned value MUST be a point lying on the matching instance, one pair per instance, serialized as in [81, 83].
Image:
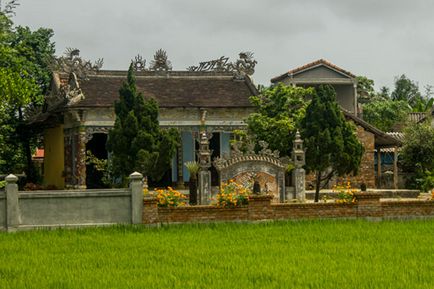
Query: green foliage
[427, 183]
[417, 154]
[365, 89]
[25, 75]
[193, 168]
[386, 113]
[406, 90]
[313, 254]
[279, 110]
[101, 165]
[332, 147]
[136, 142]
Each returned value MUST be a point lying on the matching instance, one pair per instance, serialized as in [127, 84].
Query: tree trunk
[317, 186]
[192, 185]
[25, 142]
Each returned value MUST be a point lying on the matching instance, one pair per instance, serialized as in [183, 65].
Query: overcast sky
[379, 39]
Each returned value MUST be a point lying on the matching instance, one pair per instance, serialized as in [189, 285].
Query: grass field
[319, 254]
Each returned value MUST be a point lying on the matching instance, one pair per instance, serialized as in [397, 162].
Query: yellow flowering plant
[170, 198]
[233, 195]
[345, 193]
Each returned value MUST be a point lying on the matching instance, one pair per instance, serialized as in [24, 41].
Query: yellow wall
[54, 157]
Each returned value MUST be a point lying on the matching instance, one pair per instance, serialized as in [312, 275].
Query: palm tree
[193, 168]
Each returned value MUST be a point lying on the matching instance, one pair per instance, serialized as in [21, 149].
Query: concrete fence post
[136, 188]
[12, 209]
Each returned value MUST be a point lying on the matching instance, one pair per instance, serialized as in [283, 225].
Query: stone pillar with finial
[204, 158]
[299, 174]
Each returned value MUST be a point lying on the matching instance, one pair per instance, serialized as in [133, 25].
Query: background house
[344, 82]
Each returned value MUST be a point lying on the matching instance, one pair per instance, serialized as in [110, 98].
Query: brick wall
[368, 205]
[367, 166]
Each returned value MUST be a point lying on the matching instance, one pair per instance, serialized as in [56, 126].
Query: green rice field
[304, 254]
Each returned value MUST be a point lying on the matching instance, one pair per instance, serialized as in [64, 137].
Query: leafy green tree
[384, 93]
[136, 142]
[279, 110]
[417, 153]
[406, 90]
[25, 75]
[331, 143]
[365, 88]
[386, 114]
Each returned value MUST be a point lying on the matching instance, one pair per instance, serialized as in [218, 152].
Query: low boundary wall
[367, 206]
[34, 209]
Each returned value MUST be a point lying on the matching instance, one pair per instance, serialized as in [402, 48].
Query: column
[355, 98]
[378, 168]
[175, 168]
[80, 159]
[12, 206]
[68, 153]
[136, 188]
[395, 167]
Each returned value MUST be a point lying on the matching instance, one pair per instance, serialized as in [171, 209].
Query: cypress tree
[137, 143]
[332, 147]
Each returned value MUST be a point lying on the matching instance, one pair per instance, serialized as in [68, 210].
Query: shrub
[233, 195]
[345, 193]
[170, 198]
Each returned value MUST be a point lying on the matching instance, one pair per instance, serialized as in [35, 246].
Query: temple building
[79, 112]
[345, 84]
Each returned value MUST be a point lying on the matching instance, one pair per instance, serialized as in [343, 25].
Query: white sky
[379, 39]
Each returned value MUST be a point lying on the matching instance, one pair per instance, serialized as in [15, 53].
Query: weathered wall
[405, 209]
[319, 72]
[2, 211]
[71, 208]
[345, 96]
[368, 206]
[367, 167]
[54, 157]
[74, 207]
[366, 172]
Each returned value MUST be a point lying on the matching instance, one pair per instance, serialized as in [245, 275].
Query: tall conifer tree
[331, 142]
[136, 142]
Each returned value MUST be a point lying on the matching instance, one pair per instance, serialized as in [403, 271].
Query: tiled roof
[417, 117]
[311, 65]
[172, 89]
[397, 135]
[382, 139]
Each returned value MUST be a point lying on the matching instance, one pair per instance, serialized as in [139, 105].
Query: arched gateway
[265, 168]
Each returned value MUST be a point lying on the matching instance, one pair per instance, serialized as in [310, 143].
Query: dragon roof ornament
[245, 65]
[71, 62]
[139, 64]
[160, 62]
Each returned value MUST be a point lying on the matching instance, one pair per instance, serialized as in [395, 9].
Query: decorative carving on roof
[71, 62]
[139, 63]
[160, 62]
[245, 65]
[249, 154]
[219, 65]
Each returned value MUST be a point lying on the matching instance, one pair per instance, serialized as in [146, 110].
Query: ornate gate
[265, 167]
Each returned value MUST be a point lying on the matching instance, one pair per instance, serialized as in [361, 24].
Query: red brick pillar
[150, 210]
[368, 205]
[260, 207]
